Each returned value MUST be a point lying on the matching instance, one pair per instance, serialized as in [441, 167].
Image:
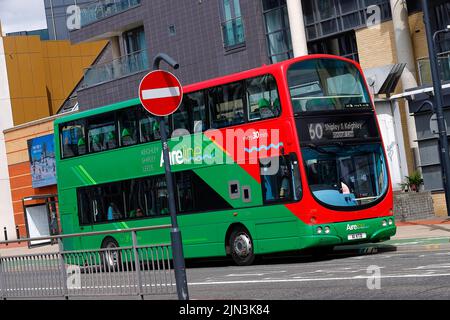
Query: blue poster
[41, 151]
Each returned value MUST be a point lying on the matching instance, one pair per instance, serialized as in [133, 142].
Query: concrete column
[297, 26]
[405, 54]
[115, 48]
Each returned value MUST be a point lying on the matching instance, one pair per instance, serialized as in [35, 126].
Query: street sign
[160, 93]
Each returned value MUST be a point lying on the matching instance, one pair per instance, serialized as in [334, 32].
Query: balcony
[425, 69]
[102, 9]
[124, 66]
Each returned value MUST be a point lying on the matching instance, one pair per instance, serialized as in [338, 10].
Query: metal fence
[123, 271]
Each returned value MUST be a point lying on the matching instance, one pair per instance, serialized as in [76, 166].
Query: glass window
[196, 103]
[280, 179]
[156, 196]
[149, 127]
[113, 197]
[232, 25]
[102, 133]
[227, 105]
[262, 98]
[181, 122]
[128, 132]
[326, 8]
[134, 40]
[73, 140]
[277, 30]
[191, 116]
[326, 84]
[348, 5]
[346, 176]
[91, 206]
[135, 202]
[185, 196]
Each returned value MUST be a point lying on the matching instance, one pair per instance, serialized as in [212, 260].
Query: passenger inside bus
[126, 138]
[81, 146]
[113, 212]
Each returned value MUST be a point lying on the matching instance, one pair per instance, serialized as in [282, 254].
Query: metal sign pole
[177, 247]
[437, 85]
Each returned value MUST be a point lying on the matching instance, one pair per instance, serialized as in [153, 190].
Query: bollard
[6, 234]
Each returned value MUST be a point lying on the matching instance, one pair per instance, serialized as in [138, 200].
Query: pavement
[413, 235]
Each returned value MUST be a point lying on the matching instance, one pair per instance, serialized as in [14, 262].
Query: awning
[384, 79]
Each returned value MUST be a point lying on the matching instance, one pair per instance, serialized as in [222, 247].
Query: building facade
[37, 78]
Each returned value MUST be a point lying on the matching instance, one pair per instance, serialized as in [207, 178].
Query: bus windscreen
[326, 85]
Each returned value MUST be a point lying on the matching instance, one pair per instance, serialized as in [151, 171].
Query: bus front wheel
[241, 247]
[110, 255]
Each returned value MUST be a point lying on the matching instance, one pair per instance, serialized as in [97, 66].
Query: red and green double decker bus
[279, 158]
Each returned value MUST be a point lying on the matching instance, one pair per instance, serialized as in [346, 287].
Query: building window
[134, 40]
[324, 18]
[343, 45]
[442, 21]
[232, 25]
[277, 30]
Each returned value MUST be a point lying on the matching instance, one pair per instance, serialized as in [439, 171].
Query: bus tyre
[111, 257]
[241, 247]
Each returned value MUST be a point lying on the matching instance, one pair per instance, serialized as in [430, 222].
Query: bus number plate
[357, 236]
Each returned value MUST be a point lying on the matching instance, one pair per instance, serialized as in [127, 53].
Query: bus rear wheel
[241, 247]
[111, 256]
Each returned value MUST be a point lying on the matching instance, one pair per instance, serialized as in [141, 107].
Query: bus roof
[205, 84]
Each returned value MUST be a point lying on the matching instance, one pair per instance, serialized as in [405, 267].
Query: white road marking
[317, 279]
[253, 274]
[160, 93]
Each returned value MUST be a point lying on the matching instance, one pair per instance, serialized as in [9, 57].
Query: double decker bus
[279, 158]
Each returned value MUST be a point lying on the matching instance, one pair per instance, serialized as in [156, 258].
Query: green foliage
[413, 182]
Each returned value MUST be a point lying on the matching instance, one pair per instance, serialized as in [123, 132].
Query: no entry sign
[160, 93]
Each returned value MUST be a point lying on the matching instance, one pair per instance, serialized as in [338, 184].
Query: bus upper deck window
[102, 133]
[128, 127]
[262, 98]
[73, 139]
[226, 105]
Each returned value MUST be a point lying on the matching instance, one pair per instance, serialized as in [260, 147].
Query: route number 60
[316, 131]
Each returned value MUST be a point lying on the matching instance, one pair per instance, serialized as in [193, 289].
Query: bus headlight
[319, 230]
[384, 223]
[327, 230]
[391, 222]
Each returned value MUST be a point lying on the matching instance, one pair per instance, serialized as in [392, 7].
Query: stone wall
[413, 206]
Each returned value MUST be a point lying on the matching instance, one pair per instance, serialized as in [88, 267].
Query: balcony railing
[121, 67]
[425, 68]
[102, 9]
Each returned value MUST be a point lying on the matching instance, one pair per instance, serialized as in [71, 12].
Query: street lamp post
[438, 105]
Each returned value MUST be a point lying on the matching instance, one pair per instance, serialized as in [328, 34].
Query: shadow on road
[303, 256]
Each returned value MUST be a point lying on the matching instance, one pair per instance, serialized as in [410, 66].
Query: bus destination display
[332, 128]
